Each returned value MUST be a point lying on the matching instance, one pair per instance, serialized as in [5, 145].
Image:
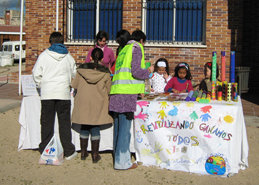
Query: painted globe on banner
[215, 165]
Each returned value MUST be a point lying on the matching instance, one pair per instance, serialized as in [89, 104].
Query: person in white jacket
[52, 73]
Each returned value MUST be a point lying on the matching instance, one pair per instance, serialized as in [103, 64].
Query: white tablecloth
[186, 136]
[191, 136]
[30, 135]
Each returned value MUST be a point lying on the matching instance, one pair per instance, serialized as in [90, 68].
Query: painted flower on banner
[215, 165]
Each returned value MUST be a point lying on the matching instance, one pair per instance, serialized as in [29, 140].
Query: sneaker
[71, 156]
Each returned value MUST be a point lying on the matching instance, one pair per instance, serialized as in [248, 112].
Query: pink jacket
[179, 85]
[108, 56]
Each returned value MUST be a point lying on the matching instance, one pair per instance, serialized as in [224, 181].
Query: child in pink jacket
[181, 82]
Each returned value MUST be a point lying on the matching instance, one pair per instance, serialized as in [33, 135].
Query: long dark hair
[209, 65]
[122, 38]
[166, 62]
[137, 35]
[184, 66]
[100, 35]
[97, 55]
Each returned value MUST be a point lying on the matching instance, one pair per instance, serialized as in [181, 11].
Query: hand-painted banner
[190, 136]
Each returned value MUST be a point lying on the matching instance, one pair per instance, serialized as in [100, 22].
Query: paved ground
[9, 98]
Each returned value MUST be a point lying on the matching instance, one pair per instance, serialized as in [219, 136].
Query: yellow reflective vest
[123, 82]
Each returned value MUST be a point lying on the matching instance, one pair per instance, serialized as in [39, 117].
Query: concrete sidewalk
[9, 99]
[8, 104]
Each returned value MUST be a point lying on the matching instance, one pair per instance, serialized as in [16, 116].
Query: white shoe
[71, 156]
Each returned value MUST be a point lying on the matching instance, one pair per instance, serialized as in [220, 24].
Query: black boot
[95, 151]
[83, 145]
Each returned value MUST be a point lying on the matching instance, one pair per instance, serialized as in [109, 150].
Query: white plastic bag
[53, 154]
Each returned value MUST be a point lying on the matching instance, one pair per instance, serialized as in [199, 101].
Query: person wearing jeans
[92, 84]
[85, 131]
[127, 83]
[121, 141]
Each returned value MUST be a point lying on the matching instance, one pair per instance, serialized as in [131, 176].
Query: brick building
[220, 29]
[10, 33]
[11, 17]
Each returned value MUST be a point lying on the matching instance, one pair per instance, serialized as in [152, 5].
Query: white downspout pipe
[57, 1]
[20, 58]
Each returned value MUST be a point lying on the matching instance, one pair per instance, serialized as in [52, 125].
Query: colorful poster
[189, 136]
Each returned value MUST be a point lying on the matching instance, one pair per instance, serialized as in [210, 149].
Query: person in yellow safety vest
[127, 83]
[123, 82]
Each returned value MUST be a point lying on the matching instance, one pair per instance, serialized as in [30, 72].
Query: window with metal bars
[174, 21]
[87, 17]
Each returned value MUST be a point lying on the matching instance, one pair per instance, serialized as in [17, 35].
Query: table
[30, 135]
[186, 136]
[191, 136]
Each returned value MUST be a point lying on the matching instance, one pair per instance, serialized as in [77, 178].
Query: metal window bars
[86, 17]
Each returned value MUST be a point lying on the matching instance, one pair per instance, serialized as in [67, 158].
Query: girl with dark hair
[101, 42]
[161, 76]
[122, 37]
[205, 84]
[181, 82]
[92, 83]
[139, 36]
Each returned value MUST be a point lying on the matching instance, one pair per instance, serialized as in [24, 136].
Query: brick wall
[40, 22]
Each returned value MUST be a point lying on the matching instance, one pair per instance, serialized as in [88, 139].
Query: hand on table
[175, 91]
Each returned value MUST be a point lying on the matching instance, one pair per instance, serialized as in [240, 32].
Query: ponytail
[97, 55]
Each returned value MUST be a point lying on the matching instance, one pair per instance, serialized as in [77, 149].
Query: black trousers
[49, 108]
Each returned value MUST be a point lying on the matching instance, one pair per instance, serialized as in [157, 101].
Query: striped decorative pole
[213, 75]
[232, 67]
[219, 91]
[234, 92]
[223, 66]
[229, 92]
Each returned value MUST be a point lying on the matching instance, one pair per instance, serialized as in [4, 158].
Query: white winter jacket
[52, 73]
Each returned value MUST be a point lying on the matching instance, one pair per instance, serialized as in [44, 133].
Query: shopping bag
[53, 153]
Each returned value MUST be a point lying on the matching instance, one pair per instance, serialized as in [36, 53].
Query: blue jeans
[121, 142]
[94, 130]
